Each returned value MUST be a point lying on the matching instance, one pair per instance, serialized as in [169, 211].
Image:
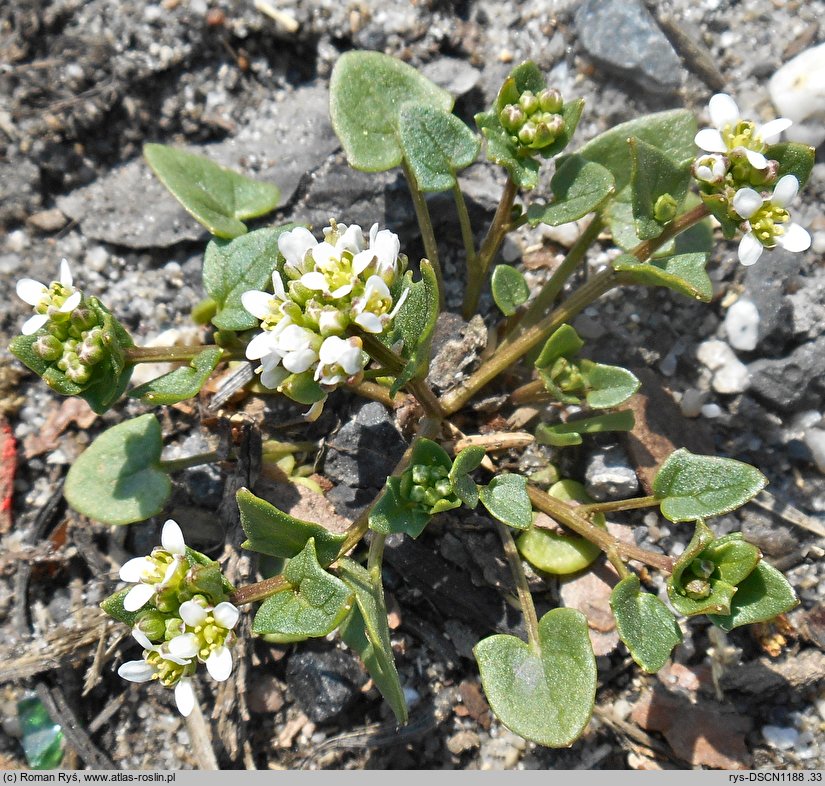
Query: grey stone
[815, 441]
[794, 382]
[623, 37]
[323, 684]
[456, 345]
[808, 308]
[782, 737]
[766, 288]
[19, 190]
[456, 76]
[284, 143]
[610, 476]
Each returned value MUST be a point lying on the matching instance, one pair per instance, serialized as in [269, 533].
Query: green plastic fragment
[42, 737]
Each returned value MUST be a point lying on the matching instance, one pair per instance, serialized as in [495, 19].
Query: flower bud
[528, 102]
[431, 496]
[550, 100]
[83, 319]
[78, 373]
[766, 176]
[418, 494]
[527, 134]
[420, 474]
[152, 625]
[443, 487]
[697, 589]
[512, 117]
[48, 348]
[665, 208]
[703, 568]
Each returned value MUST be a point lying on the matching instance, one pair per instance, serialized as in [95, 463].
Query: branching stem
[528, 609]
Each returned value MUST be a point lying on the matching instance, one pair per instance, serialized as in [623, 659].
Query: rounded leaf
[509, 289]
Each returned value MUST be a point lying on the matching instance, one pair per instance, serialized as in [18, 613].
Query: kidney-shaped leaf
[579, 187]
[118, 479]
[607, 386]
[509, 289]
[547, 695]
[182, 383]
[505, 497]
[367, 91]
[693, 487]
[645, 625]
[213, 195]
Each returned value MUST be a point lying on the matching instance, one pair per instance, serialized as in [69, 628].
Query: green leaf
[645, 625]
[654, 174]
[425, 451]
[216, 197]
[794, 159]
[316, 604]
[672, 132]
[564, 343]
[565, 434]
[693, 487]
[367, 93]
[113, 606]
[464, 487]
[271, 531]
[367, 632]
[414, 325]
[392, 513]
[684, 273]
[556, 553]
[763, 595]
[505, 497]
[579, 187]
[182, 383]
[232, 267]
[436, 144]
[118, 479]
[608, 386]
[734, 557]
[545, 696]
[509, 289]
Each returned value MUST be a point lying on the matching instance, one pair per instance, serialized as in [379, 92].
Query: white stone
[564, 234]
[97, 258]
[730, 374]
[711, 411]
[16, 241]
[781, 737]
[692, 402]
[742, 325]
[797, 90]
[818, 242]
[815, 440]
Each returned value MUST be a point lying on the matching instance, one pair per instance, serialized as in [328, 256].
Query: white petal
[65, 273]
[331, 349]
[141, 638]
[272, 377]
[361, 261]
[711, 140]
[193, 614]
[796, 238]
[386, 247]
[278, 285]
[33, 324]
[756, 160]
[138, 597]
[226, 615]
[31, 291]
[134, 569]
[746, 202]
[315, 281]
[136, 671]
[295, 244]
[184, 646]
[770, 132]
[785, 190]
[172, 538]
[219, 664]
[294, 337]
[324, 254]
[369, 322]
[71, 302]
[400, 303]
[376, 284]
[257, 303]
[350, 360]
[185, 697]
[352, 239]
[342, 291]
[750, 249]
[723, 110]
[299, 361]
[262, 345]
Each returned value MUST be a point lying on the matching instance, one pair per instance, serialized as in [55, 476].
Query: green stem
[619, 504]
[375, 557]
[570, 517]
[618, 563]
[647, 248]
[529, 392]
[422, 213]
[261, 590]
[134, 355]
[393, 363]
[176, 465]
[466, 232]
[528, 609]
[499, 227]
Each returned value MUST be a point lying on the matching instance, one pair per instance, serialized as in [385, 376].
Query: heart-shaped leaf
[436, 145]
[694, 487]
[232, 267]
[464, 486]
[392, 513]
[654, 175]
[271, 531]
[216, 197]
[557, 553]
[645, 625]
[794, 159]
[570, 433]
[182, 383]
[367, 632]
[505, 497]
[547, 695]
[118, 479]
[763, 595]
[684, 273]
[509, 289]
[607, 386]
[367, 92]
[579, 187]
[315, 605]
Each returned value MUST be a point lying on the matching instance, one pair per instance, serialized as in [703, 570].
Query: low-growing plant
[348, 312]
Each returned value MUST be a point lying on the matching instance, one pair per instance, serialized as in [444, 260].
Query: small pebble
[711, 411]
[815, 440]
[730, 374]
[742, 325]
[16, 241]
[691, 403]
[782, 737]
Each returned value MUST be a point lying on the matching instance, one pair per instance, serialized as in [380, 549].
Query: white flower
[765, 218]
[209, 635]
[382, 254]
[711, 168]
[157, 571]
[338, 360]
[731, 132]
[58, 298]
[372, 309]
[294, 246]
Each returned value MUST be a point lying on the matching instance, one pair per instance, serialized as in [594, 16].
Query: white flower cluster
[343, 280]
[175, 636]
[57, 300]
[737, 168]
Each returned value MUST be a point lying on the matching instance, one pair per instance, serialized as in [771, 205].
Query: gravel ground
[84, 84]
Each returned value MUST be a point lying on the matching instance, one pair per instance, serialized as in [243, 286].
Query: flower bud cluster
[325, 288]
[428, 487]
[179, 622]
[736, 169]
[534, 121]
